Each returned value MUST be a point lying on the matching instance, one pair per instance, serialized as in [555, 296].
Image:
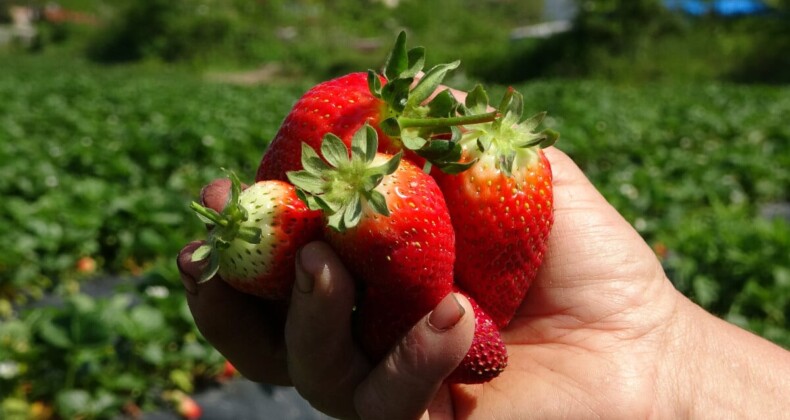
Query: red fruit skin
[487, 356]
[340, 106]
[228, 371]
[403, 262]
[189, 409]
[288, 226]
[502, 224]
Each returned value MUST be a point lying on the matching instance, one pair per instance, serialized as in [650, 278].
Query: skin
[602, 333]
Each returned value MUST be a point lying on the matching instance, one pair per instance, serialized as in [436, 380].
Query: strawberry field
[98, 166]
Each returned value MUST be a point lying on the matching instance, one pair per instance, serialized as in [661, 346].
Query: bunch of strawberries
[420, 196]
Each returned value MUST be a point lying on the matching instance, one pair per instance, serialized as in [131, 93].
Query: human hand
[322, 360]
[595, 320]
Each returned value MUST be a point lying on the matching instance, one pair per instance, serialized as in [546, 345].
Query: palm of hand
[587, 342]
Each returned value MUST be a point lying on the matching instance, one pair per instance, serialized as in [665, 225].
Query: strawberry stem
[227, 228]
[406, 122]
[211, 215]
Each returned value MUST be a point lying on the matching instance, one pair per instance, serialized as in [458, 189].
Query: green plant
[95, 357]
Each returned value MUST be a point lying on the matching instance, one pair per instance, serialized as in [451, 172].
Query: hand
[602, 333]
[322, 360]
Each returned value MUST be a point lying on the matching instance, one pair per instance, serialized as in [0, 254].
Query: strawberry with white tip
[252, 243]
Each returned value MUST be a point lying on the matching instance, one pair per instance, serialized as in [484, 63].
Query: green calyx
[508, 137]
[413, 119]
[343, 183]
[227, 226]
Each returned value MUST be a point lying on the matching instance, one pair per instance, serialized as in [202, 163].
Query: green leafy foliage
[91, 358]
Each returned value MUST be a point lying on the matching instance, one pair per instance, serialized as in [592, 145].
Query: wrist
[713, 369]
[673, 379]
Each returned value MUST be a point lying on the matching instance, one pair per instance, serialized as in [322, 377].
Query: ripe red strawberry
[228, 371]
[487, 357]
[253, 242]
[501, 207]
[189, 409]
[388, 222]
[185, 406]
[387, 101]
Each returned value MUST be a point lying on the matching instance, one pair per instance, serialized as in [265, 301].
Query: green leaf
[531, 123]
[396, 93]
[249, 234]
[455, 168]
[72, 403]
[550, 138]
[334, 150]
[211, 269]
[307, 181]
[374, 84]
[364, 143]
[371, 181]
[335, 221]
[706, 290]
[391, 127]
[412, 140]
[353, 212]
[442, 105]
[311, 162]
[327, 206]
[233, 205]
[54, 334]
[201, 253]
[378, 203]
[506, 162]
[149, 321]
[477, 99]
[398, 59]
[437, 149]
[391, 165]
[428, 84]
[416, 62]
[153, 353]
[516, 106]
[182, 379]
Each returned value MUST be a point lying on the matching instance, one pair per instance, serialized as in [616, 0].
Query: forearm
[727, 372]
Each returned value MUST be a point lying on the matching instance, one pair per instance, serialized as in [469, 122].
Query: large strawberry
[391, 102]
[253, 242]
[389, 223]
[501, 207]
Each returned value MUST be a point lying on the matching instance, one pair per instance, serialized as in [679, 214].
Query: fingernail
[304, 280]
[189, 282]
[447, 313]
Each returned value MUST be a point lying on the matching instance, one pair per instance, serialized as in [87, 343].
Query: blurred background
[113, 114]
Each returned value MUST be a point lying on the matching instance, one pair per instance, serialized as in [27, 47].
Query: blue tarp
[718, 7]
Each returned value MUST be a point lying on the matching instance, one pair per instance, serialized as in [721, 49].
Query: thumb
[405, 383]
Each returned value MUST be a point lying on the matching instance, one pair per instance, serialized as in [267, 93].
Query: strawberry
[388, 222]
[487, 357]
[228, 371]
[86, 265]
[390, 102]
[189, 409]
[185, 406]
[253, 242]
[501, 207]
